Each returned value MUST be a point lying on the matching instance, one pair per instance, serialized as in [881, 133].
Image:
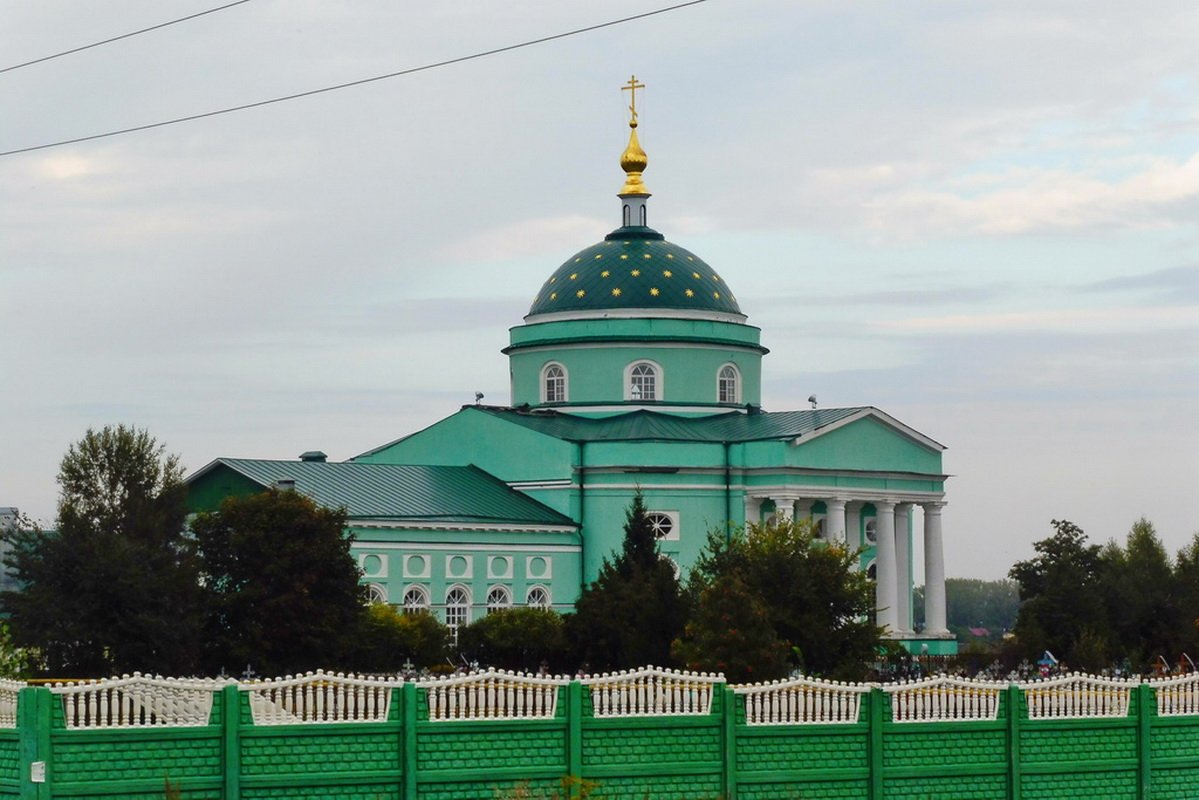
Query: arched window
[643, 381]
[416, 599]
[538, 597]
[872, 530]
[728, 385]
[375, 594]
[553, 383]
[498, 598]
[457, 609]
[818, 528]
[872, 571]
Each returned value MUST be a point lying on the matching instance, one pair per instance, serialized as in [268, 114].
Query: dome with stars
[635, 267]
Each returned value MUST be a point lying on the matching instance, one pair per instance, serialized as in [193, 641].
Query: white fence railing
[494, 694]
[1077, 696]
[1177, 696]
[651, 691]
[8, 702]
[137, 701]
[944, 698]
[802, 701]
[320, 697]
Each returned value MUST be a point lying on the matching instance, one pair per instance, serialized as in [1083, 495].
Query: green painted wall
[509, 451]
[595, 353]
[866, 444]
[207, 492]
[1137, 757]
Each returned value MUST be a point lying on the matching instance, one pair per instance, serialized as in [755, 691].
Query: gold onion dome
[633, 161]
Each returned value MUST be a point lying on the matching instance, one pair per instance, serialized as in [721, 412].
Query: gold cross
[632, 88]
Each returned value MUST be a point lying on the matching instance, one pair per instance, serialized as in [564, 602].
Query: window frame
[423, 592]
[544, 378]
[659, 376]
[673, 516]
[500, 606]
[539, 587]
[463, 608]
[736, 379]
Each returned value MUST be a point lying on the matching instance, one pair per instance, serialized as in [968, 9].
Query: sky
[981, 217]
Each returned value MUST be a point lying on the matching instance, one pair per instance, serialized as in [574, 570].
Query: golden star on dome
[647, 255]
[654, 292]
[580, 293]
[635, 273]
[598, 256]
[690, 258]
[605, 274]
[667, 273]
[553, 278]
[689, 293]
[670, 255]
[697, 276]
[574, 275]
[624, 256]
[616, 292]
[716, 295]
[553, 295]
[715, 277]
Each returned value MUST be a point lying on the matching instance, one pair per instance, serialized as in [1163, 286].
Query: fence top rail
[322, 677]
[492, 673]
[802, 681]
[139, 680]
[10, 685]
[1074, 678]
[937, 681]
[1175, 680]
[625, 676]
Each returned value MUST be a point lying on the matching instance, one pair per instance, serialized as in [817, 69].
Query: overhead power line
[309, 93]
[122, 36]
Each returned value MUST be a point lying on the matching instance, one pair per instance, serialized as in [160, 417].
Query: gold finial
[633, 160]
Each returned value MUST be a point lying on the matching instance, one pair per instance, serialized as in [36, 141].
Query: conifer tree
[631, 613]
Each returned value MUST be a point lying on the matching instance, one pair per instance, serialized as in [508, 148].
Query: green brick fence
[643, 734]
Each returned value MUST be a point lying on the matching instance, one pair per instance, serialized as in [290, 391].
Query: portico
[882, 524]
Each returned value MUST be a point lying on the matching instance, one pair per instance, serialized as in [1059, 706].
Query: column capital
[888, 502]
[933, 506]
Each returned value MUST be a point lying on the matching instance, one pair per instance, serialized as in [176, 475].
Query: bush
[519, 639]
[388, 638]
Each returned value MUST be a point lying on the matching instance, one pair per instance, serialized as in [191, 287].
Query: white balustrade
[137, 701]
[943, 698]
[1177, 696]
[800, 701]
[1077, 696]
[494, 694]
[8, 702]
[651, 691]
[318, 697]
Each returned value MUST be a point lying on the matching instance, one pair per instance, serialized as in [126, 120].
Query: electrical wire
[122, 36]
[360, 82]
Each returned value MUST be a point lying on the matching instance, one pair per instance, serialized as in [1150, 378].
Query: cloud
[1055, 319]
[1037, 200]
[1177, 284]
[531, 237]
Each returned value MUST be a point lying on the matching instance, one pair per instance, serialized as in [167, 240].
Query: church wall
[865, 444]
[439, 559]
[509, 451]
[597, 374]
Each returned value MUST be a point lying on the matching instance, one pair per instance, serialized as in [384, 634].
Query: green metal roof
[634, 267]
[400, 491]
[643, 425]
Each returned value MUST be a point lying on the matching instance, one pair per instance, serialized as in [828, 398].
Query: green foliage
[283, 591]
[114, 588]
[519, 639]
[1094, 606]
[632, 612]
[387, 638]
[730, 631]
[816, 603]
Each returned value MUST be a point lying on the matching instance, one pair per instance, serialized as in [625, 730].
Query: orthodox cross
[632, 88]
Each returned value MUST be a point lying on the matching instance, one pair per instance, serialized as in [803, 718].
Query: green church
[634, 369]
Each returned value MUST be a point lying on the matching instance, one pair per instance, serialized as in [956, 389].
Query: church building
[635, 369]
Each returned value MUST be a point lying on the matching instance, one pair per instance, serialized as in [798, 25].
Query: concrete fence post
[230, 700]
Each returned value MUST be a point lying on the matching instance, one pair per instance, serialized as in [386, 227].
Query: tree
[519, 639]
[1142, 602]
[730, 632]
[634, 609]
[1061, 597]
[1186, 582]
[817, 603]
[388, 638]
[114, 588]
[974, 603]
[283, 589]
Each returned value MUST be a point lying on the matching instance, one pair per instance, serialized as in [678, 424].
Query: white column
[903, 568]
[884, 566]
[934, 572]
[803, 509]
[784, 509]
[853, 524]
[753, 510]
[834, 520]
